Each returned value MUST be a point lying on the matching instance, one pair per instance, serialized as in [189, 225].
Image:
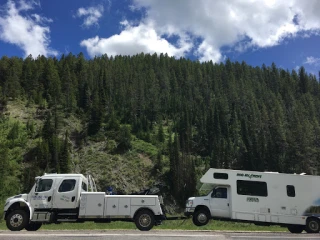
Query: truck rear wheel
[33, 226]
[144, 220]
[313, 225]
[296, 228]
[201, 217]
[17, 220]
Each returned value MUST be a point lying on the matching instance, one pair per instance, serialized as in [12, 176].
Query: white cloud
[312, 61]
[236, 24]
[32, 36]
[40, 19]
[91, 15]
[133, 40]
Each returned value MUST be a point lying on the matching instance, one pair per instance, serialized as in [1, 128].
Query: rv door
[220, 202]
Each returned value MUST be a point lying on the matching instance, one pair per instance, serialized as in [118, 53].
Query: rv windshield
[204, 192]
[205, 189]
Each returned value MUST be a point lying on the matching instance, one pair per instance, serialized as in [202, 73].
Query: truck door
[220, 202]
[41, 195]
[66, 196]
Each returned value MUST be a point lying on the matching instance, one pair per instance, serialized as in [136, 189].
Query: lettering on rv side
[252, 199]
[248, 175]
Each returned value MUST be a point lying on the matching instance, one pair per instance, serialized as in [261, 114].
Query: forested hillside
[134, 121]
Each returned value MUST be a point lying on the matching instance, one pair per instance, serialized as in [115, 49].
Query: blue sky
[286, 32]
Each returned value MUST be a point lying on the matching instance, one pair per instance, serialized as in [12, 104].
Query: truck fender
[142, 208]
[18, 203]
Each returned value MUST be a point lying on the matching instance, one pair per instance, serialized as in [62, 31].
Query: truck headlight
[189, 203]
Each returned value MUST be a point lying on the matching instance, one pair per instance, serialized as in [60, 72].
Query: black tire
[144, 220]
[296, 228]
[313, 225]
[201, 217]
[33, 226]
[17, 220]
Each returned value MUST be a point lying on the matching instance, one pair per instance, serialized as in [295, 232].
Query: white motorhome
[263, 198]
[56, 198]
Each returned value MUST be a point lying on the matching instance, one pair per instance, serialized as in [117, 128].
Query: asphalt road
[152, 235]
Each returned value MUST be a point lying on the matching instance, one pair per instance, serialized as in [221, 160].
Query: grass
[166, 225]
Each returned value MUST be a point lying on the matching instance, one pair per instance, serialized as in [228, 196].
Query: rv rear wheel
[33, 226]
[201, 217]
[313, 225]
[17, 220]
[296, 228]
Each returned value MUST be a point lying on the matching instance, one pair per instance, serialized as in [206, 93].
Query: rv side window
[291, 192]
[252, 188]
[217, 175]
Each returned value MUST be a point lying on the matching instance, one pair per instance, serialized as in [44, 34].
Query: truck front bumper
[189, 211]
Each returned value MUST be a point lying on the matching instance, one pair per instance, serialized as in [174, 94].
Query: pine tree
[52, 83]
[65, 157]
[160, 135]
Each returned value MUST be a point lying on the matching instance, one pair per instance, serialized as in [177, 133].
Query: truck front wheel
[33, 226]
[17, 220]
[144, 220]
[201, 217]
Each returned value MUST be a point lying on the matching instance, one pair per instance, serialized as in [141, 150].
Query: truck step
[67, 214]
[66, 220]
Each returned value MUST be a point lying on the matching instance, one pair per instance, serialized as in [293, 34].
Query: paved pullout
[152, 235]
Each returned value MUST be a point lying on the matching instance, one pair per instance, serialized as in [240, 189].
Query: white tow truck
[57, 198]
[262, 198]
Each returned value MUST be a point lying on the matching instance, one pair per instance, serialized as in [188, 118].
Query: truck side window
[219, 193]
[291, 192]
[84, 187]
[44, 185]
[67, 185]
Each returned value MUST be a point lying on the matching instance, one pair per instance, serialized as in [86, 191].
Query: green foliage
[124, 139]
[14, 132]
[160, 135]
[227, 115]
[13, 139]
[65, 157]
[144, 147]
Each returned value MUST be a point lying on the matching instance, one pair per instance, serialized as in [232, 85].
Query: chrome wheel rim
[202, 218]
[16, 220]
[145, 220]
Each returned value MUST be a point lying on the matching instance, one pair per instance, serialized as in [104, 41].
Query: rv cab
[219, 202]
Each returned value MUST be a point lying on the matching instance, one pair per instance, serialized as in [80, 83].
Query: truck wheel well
[202, 207]
[16, 206]
[141, 209]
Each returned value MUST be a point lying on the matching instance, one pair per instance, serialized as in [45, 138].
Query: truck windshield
[43, 185]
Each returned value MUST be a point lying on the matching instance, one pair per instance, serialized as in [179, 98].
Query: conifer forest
[133, 121]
